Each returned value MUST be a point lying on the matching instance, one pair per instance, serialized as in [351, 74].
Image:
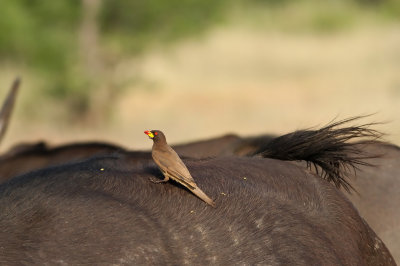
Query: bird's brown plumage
[172, 166]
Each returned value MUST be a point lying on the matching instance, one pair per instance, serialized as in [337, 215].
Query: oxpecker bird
[172, 166]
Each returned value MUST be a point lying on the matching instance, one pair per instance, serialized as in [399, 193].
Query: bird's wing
[170, 163]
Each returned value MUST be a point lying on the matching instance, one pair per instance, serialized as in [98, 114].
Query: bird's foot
[157, 181]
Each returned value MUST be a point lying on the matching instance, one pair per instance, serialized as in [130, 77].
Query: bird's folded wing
[176, 170]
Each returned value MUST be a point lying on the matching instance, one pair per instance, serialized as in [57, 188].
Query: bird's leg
[166, 178]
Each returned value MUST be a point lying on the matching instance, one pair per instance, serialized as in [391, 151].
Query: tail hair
[327, 149]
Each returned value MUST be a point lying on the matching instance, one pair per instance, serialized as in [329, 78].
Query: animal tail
[199, 193]
[246, 146]
[327, 149]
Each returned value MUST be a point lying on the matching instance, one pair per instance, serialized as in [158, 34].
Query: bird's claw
[156, 181]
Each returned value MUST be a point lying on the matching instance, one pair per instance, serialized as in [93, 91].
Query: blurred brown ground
[242, 80]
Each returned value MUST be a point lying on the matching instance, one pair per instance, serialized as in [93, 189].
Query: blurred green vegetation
[44, 36]
[138, 23]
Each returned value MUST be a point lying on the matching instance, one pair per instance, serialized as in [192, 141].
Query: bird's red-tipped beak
[149, 133]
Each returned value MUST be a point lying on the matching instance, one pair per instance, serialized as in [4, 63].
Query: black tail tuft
[327, 149]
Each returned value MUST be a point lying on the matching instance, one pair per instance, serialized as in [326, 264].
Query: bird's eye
[156, 133]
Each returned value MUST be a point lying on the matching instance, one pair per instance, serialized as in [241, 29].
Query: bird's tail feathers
[199, 193]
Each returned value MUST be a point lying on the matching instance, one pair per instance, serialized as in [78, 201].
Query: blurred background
[107, 70]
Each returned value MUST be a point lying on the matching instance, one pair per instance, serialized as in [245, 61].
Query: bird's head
[155, 135]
